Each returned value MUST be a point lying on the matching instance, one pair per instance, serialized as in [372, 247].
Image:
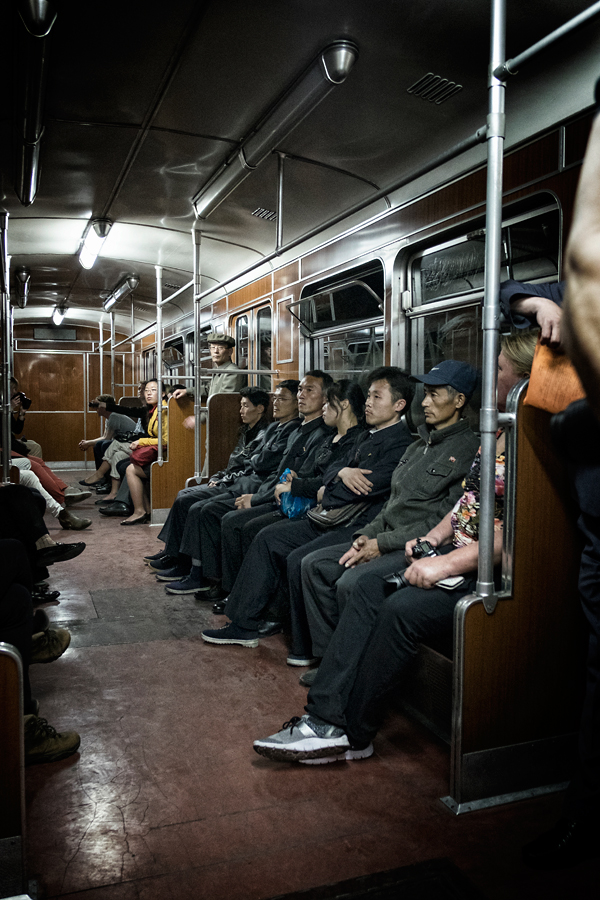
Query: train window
[241, 342]
[530, 250]
[263, 329]
[352, 296]
[174, 358]
[351, 353]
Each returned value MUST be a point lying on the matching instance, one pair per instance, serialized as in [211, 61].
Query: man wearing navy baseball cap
[451, 373]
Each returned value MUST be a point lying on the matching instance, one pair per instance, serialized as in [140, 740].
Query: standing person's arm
[582, 303]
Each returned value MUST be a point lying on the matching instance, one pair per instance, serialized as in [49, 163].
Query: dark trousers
[276, 547]
[584, 791]
[99, 450]
[22, 517]
[173, 530]
[407, 618]
[329, 588]
[238, 530]
[16, 608]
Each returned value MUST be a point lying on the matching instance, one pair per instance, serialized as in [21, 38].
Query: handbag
[143, 456]
[126, 437]
[341, 515]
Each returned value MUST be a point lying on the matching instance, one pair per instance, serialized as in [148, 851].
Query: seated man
[425, 485]
[175, 561]
[344, 714]
[116, 427]
[363, 472]
[418, 612]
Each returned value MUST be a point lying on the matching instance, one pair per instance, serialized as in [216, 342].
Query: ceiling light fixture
[58, 314]
[124, 287]
[92, 243]
[331, 67]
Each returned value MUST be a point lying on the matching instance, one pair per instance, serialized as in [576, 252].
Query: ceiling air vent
[266, 214]
[434, 88]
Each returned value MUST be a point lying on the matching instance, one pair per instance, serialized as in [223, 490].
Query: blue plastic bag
[293, 507]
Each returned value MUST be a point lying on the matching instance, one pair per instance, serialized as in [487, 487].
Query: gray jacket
[229, 380]
[426, 484]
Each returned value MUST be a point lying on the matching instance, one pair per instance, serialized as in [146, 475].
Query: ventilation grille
[173, 287]
[266, 214]
[434, 88]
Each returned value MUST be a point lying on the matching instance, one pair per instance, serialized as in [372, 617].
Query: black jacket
[299, 456]
[240, 459]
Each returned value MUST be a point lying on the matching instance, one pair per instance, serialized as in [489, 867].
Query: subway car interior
[338, 186]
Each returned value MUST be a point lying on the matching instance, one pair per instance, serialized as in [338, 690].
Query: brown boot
[48, 645]
[69, 520]
[44, 744]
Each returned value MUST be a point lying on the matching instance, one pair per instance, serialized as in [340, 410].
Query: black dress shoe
[268, 629]
[115, 509]
[59, 553]
[567, 844]
[103, 488]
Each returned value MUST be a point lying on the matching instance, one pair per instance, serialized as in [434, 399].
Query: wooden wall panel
[522, 664]
[167, 480]
[58, 433]
[287, 275]
[250, 292]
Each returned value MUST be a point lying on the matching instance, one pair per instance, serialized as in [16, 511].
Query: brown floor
[167, 798]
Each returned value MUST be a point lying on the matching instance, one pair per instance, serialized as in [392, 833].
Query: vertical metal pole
[132, 344]
[159, 340]
[280, 168]
[5, 326]
[197, 239]
[112, 353]
[491, 307]
[101, 357]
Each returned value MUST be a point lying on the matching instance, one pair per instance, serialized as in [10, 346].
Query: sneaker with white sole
[175, 573]
[305, 738]
[301, 659]
[187, 585]
[231, 634]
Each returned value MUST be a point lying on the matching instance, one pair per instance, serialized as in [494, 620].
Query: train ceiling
[145, 101]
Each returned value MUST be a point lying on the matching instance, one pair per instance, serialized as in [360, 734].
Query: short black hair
[291, 384]
[256, 396]
[326, 379]
[401, 387]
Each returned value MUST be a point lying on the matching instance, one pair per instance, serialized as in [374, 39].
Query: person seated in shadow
[370, 651]
[361, 470]
[36, 642]
[22, 517]
[254, 405]
[19, 406]
[138, 472]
